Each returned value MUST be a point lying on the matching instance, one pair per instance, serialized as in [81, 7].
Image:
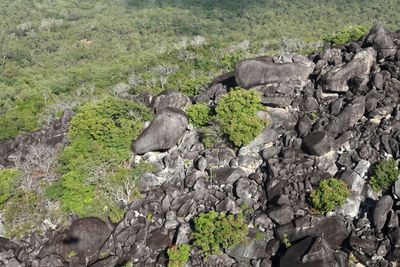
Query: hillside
[64, 53]
[212, 133]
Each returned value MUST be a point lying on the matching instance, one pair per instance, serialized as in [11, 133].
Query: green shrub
[215, 231]
[21, 214]
[178, 255]
[199, 114]
[23, 117]
[331, 193]
[9, 179]
[193, 86]
[237, 115]
[91, 165]
[386, 173]
[346, 34]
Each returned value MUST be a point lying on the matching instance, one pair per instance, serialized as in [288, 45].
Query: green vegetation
[346, 34]
[178, 255]
[199, 114]
[77, 50]
[92, 166]
[286, 241]
[9, 179]
[330, 194]
[237, 115]
[215, 231]
[386, 173]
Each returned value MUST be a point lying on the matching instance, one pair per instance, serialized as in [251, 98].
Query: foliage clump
[346, 34]
[9, 179]
[236, 113]
[386, 173]
[178, 255]
[199, 114]
[330, 194]
[23, 117]
[93, 177]
[216, 231]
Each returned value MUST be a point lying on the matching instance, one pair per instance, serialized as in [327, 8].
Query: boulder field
[335, 113]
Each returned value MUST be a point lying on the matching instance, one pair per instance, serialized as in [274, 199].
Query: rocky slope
[333, 114]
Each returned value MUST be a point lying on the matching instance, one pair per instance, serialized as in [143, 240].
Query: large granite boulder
[259, 71]
[381, 211]
[163, 132]
[80, 244]
[336, 80]
[169, 98]
[379, 38]
[313, 252]
[318, 143]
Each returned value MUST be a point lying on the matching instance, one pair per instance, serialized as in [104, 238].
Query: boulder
[348, 117]
[169, 98]
[281, 215]
[336, 80]
[313, 252]
[381, 211]
[259, 71]
[163, 132]
[379, 38]
[318, 143]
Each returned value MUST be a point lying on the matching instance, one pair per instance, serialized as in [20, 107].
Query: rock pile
[332, 114]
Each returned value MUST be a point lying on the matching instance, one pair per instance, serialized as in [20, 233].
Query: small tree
[385, 174]
[237, 115]
[330, 194]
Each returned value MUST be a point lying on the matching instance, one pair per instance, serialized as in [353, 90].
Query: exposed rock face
[337, 79]
[163, 132]
[313, 253]
[258, 71]
[381, 211]
[169, 98]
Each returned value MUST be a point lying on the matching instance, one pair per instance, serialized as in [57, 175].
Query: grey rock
[310, 103]
[281, 215]
[169, 98]
[163, 132]
[245, 188]
[354, 181]
[158, 239]
[226, 175]
[351, 206]
[311, 252]
[381, 41]
[258, 71]
[337, 79]
[381, 211]
[254, 249]
[348, 117]
[276, 101]
[226, 205]
[201, 163]
[304, 125]
[269, 152]
[183, 234]
[148, 181]
[396, 189]
[318, 143]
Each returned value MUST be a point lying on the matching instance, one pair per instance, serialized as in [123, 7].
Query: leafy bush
[22, 213]
[331, 193]
[346, 34]
[237, 115]
[23, 117]
[91, 165]
[215, 231]
[8, 183]
[178, 255]
[193, 86]
[199, 114]
[385, 174]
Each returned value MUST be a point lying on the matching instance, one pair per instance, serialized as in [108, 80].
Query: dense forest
[90, 56]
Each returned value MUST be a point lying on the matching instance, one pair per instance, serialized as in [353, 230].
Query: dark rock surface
[163, 132]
